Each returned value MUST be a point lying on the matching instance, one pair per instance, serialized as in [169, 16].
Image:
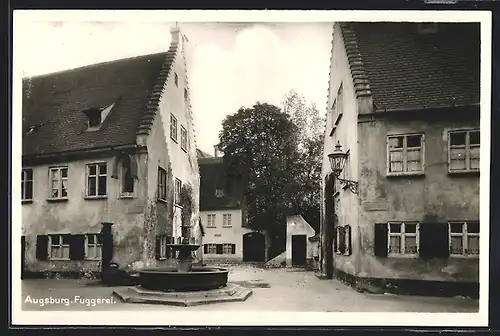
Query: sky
[230, 65]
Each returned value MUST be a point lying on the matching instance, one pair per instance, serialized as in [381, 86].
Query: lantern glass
[337, 160]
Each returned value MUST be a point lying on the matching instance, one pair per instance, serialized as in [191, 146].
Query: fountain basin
[170, 279]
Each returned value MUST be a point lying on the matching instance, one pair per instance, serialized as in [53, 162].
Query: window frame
[177, 191]
[96, 245]
[209, 245]
[60, 245]
[126, 194]
[465, 241]
[404, 151]
[467, 148]
[228, 246]
[184, 137]
[24, 180]
[403, 236]
[97, 175]
[227, 223]
[337, 108]
[161, 185]
[208, 221]
[60, 180]
[163, 247]
[173, 127]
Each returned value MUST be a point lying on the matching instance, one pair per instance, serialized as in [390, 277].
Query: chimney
[175, 32]
[216, 151]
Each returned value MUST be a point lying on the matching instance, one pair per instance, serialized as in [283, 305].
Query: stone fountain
[184, 285]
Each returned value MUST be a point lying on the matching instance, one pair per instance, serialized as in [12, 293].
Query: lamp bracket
[352, 185]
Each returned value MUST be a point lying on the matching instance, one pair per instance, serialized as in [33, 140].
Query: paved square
[273, 290]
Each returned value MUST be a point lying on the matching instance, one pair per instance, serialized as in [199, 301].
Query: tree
[260, 150]
[307, 172]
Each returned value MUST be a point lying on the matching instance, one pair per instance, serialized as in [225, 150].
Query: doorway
[299, 250]
[254, 247]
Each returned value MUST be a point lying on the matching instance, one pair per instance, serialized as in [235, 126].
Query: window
[164, 240]
[464, 238]
[162, 184]
[176, 79]
[184, 138]
[59, 247]
[93, 247]
[226, 220]
[211, 220]
[94, 117]
[127, 178]
[228, 248]
[210, 248]
[463, 151]
[337, 108]
[405, 154]
[343, 240]
[177, 196]
[58, 182]
[27, 184]
[403, 239]
[173, 127]
[97, 179]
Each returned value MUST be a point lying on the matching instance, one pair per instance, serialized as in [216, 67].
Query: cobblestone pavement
[273, 290]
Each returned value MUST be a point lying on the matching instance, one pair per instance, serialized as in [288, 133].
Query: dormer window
[96, 116]
[427, 28]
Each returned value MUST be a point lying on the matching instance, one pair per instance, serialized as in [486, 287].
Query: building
[301, 245]
[227, 239]
[108, 143]
[404, 105]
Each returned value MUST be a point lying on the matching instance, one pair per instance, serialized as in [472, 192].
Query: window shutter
[158, 247]
[42, 245]
[205, 248]
[219, 249]
[348, 239]
[77, 247]
[335, 242]
[233, 249]
[342, 240]
[434, 240]
[381, 240]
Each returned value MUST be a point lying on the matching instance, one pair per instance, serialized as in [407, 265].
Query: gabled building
[227, 237]
[108, 143]
[404, 105]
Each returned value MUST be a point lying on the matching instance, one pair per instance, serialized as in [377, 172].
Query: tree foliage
[310, 151]
[260, 150]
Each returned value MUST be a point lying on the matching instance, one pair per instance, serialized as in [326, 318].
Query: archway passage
[254, 247]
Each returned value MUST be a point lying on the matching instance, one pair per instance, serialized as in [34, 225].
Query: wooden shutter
[381, 240]
[342, 240]
[205, 248]
[219, 249]
[348, 240]
[233, 249]
[434, 240]
[42, 245]
[335, 242]
[77, 247]
[158, 247]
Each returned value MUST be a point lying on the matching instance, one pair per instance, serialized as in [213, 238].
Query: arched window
[127, 178]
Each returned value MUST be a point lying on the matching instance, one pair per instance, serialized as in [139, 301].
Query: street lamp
[337, 162]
